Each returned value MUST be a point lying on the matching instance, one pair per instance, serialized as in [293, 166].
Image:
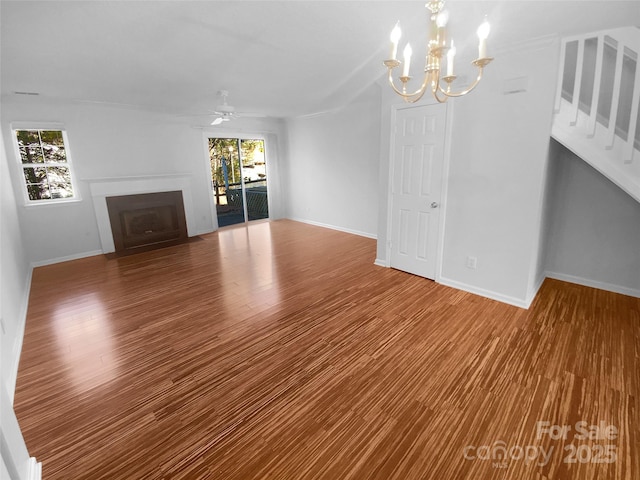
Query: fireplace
[146, 221]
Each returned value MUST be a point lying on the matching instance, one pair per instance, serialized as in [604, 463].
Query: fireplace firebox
[146, 221]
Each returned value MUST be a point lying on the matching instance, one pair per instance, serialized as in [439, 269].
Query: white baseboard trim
[516, 302]
[76, 256]
[35, 469]
[93, 253]
[380, 263]
[632, 292]
[202, 232]
[334, 227]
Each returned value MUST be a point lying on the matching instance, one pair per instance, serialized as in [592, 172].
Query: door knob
[434, 205]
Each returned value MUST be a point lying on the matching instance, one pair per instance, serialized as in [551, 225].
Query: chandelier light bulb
[441, 22]
[484, 29]
[442, 18]
[483, 33]
[396, 33]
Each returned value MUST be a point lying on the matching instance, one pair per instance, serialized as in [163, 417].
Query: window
[46, 166]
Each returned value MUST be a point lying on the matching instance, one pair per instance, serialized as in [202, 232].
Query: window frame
[39, 126]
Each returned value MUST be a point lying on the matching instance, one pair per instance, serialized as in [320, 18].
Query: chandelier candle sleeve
[407, 60]
[450, 55]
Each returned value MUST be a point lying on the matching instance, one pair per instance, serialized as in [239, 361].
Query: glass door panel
[239, 179]
[254, 174]
[227, 180]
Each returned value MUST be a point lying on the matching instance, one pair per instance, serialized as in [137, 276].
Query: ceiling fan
[226, 112]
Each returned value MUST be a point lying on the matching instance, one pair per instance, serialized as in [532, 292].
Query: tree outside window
[45, 164]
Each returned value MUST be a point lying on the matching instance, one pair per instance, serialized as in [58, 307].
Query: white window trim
[15, 126]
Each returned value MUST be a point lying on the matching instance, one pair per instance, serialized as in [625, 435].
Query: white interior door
[417, 165]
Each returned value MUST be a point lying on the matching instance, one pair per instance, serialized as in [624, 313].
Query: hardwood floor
[280, 351]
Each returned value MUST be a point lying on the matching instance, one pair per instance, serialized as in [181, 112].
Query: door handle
[434, 205]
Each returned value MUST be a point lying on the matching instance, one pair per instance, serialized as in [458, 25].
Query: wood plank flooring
[280, 351]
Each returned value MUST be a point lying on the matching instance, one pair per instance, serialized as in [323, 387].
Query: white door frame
[445, 180]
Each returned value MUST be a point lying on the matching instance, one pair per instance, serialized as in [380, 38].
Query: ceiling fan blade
[210, 114]
[252, 115]
[226, 112]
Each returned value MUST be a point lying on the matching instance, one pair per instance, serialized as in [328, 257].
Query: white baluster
[629, 148]
[563, 59]
[593, 116]
[615, 98]
[575, 100]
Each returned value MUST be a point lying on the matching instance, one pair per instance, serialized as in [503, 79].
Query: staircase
[596, 108]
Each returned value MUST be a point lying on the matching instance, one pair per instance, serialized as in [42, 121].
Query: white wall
[332, 168]
[497, 171]
[594, 227]
[15, 275]
[112, 142]
[15, 457]
[497, 176]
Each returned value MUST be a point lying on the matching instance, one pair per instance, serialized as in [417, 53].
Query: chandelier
[438, 46]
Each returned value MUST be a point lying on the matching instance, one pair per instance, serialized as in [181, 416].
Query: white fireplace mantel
[101, 188]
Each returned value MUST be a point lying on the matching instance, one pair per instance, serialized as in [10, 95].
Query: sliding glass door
[239, 179]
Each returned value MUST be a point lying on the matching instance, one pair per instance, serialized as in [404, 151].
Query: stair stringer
[624, 175]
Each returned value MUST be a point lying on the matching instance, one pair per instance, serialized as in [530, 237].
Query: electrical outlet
[472, 262]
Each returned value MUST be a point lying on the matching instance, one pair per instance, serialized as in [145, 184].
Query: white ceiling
[280, 58]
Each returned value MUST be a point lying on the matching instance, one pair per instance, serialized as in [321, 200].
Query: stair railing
[607, 94]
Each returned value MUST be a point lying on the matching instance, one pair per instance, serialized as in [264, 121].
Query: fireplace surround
[103, 187]
[145, 221]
